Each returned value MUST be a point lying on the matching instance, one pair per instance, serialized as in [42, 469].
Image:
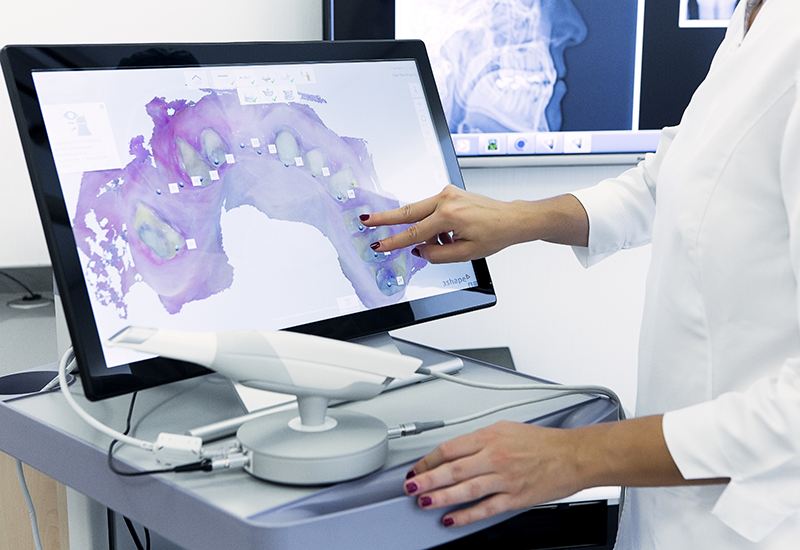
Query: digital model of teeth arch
[157, 220]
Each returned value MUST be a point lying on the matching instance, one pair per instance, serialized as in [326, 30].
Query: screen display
[501, 66]
[215, 198]
[551, 81]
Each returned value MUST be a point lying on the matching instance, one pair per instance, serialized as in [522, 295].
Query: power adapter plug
[171, 449]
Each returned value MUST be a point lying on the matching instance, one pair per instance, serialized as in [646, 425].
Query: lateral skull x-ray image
[499, 64]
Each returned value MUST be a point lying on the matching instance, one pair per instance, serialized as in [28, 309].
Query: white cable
[487, 412]
[414, 428]
[67, 358]
[562, 390]
[29, 503]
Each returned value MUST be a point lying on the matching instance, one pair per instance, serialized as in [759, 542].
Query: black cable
[114, 442]
[111, 522]
[134, 534]
[201, 465]
[128, 522]
[32, 294]
[204, 465]
[130, 413]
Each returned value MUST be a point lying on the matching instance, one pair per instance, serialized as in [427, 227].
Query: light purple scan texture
[134, 226]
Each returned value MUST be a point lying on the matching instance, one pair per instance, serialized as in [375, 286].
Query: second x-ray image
[706, 13]
[498, 64]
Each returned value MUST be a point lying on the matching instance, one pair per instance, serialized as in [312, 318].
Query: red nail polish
[415, 252]
[448, 522]
[411, 488]
[375, 246]
[411, 474]
[425, 501]
[363, 217]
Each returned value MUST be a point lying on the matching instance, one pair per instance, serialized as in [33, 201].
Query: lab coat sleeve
[753, 436]
[621, 209]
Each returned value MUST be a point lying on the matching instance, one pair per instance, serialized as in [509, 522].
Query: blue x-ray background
[674, 62]
[600, 70]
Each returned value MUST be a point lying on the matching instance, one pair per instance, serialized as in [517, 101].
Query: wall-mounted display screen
[547, 79]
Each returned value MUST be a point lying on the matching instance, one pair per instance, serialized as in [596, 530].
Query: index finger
[406, 214]
[417, 214]
[415, 234]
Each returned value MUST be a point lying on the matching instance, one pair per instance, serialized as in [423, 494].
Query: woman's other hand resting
[512, 466]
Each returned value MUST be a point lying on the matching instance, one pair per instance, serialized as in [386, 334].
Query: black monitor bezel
[19, 62]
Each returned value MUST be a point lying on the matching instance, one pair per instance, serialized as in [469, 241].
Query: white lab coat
[720, 340]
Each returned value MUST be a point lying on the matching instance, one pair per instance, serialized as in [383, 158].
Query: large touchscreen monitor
[215, 187]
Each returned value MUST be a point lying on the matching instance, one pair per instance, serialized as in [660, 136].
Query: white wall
[103, 21]
[562, 322]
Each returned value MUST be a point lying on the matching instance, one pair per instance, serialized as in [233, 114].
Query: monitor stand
[433, 359]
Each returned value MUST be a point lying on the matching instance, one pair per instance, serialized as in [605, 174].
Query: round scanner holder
[319, 446]
[345, 445]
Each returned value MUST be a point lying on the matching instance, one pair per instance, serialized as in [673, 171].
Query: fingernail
[411, 474]
[448, 522]
[375, 246]
[411, 488]
[425, 501]
[363, 217]
[415, 252]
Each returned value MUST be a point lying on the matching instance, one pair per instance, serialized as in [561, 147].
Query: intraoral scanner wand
[318, 446]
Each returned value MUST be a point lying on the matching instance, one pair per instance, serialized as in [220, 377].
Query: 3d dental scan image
[278, 158]
[193, 193]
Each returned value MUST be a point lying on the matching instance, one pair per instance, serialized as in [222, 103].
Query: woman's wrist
[560, 219]
[631, 453]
